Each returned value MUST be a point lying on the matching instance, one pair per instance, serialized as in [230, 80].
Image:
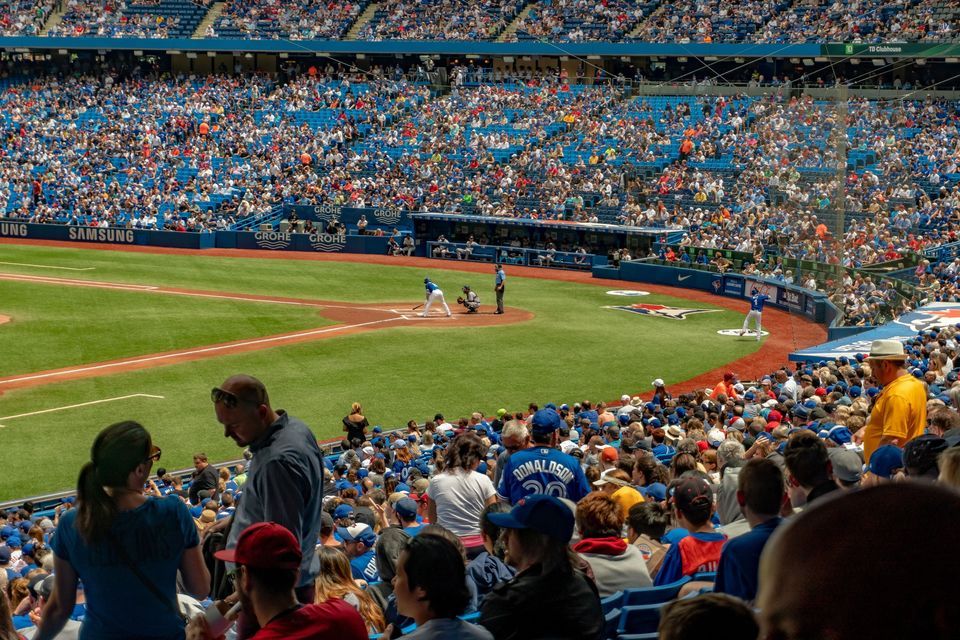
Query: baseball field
[91, 336]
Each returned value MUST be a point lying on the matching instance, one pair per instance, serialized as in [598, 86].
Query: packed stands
[24, 17]
[440, 20]
[275, 19]
[133, 19]
[579, 21]
[807, 424]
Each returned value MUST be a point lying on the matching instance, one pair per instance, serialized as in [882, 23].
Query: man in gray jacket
[729, 460]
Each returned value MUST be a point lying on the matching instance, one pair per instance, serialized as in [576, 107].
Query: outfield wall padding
[113, 235]
[812, 304]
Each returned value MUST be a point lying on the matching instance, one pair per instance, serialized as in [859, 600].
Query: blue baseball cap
[402, 487]
[378, 429]
[885, 460]
[406, 508]
[343, 484]
[655, 423]
[656, 491]
[624, 418]
[840, 434]
[541, 513]
[343, 511]
[359, 533]
[4, 555]
[545, 421]
[14, 542]
[6, 532]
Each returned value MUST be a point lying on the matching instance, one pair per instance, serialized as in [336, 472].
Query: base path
[350, 318]
[788, 331]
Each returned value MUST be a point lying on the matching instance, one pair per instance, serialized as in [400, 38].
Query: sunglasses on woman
[154, 454]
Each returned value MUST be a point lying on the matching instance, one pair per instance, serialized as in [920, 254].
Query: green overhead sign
[903, 50]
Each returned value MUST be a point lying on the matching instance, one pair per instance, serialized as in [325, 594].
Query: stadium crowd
[683, 21]
[481, 527]
[272, 19]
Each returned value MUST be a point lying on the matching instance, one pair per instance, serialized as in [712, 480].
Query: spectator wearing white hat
[900, 411]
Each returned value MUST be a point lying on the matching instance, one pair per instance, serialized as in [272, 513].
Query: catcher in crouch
[471, 301]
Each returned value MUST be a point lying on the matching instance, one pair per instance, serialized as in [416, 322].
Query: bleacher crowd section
[659, 517]
[682, 21]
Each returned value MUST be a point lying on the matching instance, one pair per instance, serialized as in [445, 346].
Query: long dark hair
[464, 453]
[116, 452]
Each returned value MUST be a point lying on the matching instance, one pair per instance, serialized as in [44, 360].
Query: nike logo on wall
[681, 278]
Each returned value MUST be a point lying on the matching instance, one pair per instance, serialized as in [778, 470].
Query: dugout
[597, 239]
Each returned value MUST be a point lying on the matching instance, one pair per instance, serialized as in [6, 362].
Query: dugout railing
[514, 255]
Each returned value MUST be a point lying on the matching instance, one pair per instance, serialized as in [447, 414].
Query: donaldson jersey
[542, 470]
[431, 287]
[756, 301]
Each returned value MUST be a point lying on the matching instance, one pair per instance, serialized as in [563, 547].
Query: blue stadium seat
[640, 619]
[654, 595]
[612, 602]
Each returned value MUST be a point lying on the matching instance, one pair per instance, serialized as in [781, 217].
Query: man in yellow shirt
[900, 412]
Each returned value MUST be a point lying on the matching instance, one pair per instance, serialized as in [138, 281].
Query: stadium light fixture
[921, 62]
[711, 58]
[139, 54]
[562, 58]
[878, 62]
[469, 56]
[854, 60]
[739, 60]
[807, 62]
[173, 52]
[361, 56]
[794, 60]
[951, 60]
[284, 55]
[211, 54]
[821, 59]
[192, 55]
[682, 59]
[509, 59]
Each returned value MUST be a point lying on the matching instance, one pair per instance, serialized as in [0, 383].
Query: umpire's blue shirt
[542, 470]
[285, 485]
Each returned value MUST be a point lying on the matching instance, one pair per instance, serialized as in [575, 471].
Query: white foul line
[48, 266]
[78, 283]
[82, 404]
[180, 354]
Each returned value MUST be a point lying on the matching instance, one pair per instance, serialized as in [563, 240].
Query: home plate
[736, 332]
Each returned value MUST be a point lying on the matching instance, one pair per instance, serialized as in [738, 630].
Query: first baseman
[433, 294]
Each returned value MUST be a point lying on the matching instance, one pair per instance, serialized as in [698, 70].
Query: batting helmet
[426, 280]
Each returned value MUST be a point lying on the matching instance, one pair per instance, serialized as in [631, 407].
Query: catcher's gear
[460, 300]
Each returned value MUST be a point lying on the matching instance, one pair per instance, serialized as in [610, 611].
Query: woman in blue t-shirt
[115, 528]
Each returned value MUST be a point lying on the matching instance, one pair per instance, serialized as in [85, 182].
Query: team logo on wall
[327, 243]
[272, 240]
[661, 311]
[627, 293]
[933, 316]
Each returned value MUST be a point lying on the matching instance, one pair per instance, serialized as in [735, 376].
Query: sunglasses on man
[229, 400]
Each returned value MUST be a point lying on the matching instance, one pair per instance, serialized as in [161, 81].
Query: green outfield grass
[573, 349]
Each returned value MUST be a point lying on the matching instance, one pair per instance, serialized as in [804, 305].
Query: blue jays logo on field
[661, 311]
[931, 316]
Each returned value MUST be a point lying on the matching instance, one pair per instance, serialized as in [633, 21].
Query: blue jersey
[501, 277]
[431, 287]
[365, 567]
[542, 470]
[757, 300]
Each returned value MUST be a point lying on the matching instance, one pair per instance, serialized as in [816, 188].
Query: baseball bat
[417, 307]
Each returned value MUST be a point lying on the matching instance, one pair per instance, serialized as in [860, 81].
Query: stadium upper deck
[679, 21]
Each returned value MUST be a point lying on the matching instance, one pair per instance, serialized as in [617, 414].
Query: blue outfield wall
[812, 304]
[268, 240]
[388, 47]
[113, 235]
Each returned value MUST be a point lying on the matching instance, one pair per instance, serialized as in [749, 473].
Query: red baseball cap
[265, 545]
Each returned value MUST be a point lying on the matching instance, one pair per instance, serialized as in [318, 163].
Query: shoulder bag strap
[151, 587]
